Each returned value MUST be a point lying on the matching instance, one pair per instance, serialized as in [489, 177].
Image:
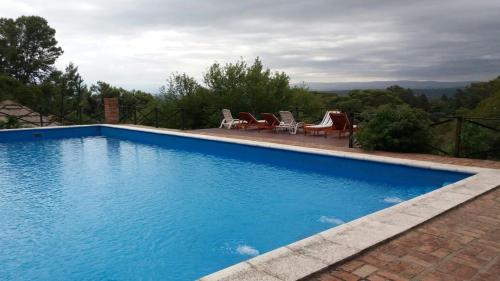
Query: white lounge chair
[288, 123]
[228, 121]
[325, 126]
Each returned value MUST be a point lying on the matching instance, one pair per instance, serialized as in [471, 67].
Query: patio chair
[228, 121]
[273, 122]
[288, 122]
[325, 126]
[341, 122]
[251, 122]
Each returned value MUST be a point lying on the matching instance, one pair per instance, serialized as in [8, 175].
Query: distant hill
[343, 86]
[433, 89]
[436, 93]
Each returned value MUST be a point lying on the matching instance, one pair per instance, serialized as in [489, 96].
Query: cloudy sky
[138, 43]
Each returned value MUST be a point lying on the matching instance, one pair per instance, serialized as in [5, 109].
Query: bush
[395, 128]
[10, 123]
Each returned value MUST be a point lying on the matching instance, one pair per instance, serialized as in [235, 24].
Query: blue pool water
[99, 203]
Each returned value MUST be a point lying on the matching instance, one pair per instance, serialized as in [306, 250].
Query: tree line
[29, 49]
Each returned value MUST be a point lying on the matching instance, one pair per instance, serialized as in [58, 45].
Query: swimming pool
[102, 202]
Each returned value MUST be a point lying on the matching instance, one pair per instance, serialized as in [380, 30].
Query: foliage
[395, 128]
[10, 123]
[409, 97]
[28, 48]
[305, 104]
[363, 100]
[12, 89]
[253, 88]
[489, 107]
[477, 139]
[472, 95]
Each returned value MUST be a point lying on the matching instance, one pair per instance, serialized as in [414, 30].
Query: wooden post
[41, 117]
[182, 119]
[458, 136]
[156, 117]
[80, 118]
[351, 129]
[135, 115]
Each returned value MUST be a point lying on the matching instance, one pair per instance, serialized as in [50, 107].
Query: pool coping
[315, 253]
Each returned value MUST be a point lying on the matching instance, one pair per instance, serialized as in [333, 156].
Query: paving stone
[458, 270]
[328, 277]
[375, 277]
[345, 276]
[405, 268]
[441, 252]
[277, 263]
[486, 277]
[373, 260]
[439, 276]
[241, 272]
[365, 270]
[351, 266]
[391, 276]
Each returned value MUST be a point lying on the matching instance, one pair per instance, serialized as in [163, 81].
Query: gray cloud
[136, 44]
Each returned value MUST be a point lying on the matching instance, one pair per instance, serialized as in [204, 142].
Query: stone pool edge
[322, 250]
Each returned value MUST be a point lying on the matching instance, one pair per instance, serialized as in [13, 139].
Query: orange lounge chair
[251, 122]
[271, 120]
[341, 122]
[325, 126]
[275, 123]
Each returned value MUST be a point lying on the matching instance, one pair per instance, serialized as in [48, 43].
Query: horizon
[137, 45]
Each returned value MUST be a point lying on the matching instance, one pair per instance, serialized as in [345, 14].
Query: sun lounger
[325, 126]
[274, 122]
[288, 122]
[228, 121]
[251, 122]
[341, 122]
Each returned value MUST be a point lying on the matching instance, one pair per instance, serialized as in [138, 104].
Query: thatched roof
[25, 115]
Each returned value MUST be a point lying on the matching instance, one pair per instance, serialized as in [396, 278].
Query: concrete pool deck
[452, 233]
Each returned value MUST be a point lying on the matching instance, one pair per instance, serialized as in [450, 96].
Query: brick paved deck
[461, 244]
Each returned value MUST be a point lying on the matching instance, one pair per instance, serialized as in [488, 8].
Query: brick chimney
[111, 111]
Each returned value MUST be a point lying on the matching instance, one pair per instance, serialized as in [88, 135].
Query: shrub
[395, 128]
[10, 123]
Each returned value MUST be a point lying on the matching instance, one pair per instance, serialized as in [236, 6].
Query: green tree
[308, 103]
[395, 128]
[180, 85]
[362, 100]
[482, 142]
[28, 48]
[65, 90]
[13, 89]
[409, 97]
[253, 88]
[185, 103]
[227, 83]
